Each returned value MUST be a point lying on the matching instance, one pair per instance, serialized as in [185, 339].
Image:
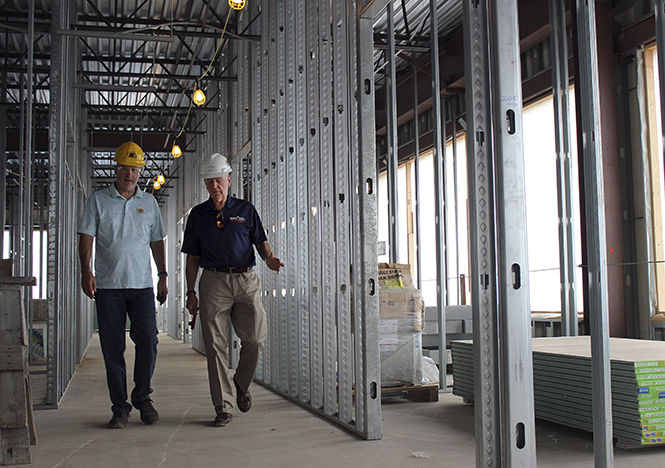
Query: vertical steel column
[273, 188]
[301, 261]
[57, 121]
[659, 7]
[391, 138]
[595, 216]
[281, 213]
[328, 253]
[416, 164]
[292, 254]
[438, 191]
[368, 183]
[3, 160]
[480, 175]
[268, 209]
[355, 185]
[259, 62]
[20, 236]
[454, 113]
[443, 195]
[559, 51]
[314, 177]
[27, 166]
[341, 199]
[519, 436]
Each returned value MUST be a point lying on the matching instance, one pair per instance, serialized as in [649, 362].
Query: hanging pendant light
[199, 97]
[237, 4]
[176, 151]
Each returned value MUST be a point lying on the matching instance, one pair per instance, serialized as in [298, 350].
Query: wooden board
[413, 392]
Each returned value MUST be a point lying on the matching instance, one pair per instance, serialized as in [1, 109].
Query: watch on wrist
[191, 291]
[162, 273]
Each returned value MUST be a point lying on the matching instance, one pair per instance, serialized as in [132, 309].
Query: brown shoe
[222, 419]
[243, 399]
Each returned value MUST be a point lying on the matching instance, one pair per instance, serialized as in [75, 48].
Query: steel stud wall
[69, 318]
[316, 197]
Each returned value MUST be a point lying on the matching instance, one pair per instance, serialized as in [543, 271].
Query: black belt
[224, 269]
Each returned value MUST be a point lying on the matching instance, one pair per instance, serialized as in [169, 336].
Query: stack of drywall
[563, 388]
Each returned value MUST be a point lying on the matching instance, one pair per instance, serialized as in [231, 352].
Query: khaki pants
[235, 297]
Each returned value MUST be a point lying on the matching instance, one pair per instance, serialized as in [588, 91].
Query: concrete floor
[275, 433]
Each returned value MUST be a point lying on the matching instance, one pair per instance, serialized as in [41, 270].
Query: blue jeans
[113, 306]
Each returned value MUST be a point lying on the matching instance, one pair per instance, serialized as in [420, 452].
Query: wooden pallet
[412, 392]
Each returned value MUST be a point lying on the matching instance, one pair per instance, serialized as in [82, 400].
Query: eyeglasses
[220, 220]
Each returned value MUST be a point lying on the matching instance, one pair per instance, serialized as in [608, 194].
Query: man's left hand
[274, 263]
[162, 290]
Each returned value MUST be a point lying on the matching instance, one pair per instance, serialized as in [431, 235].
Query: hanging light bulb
[199, 97]
[160, 179]
[176, 151]
[157, 185]
[237, 4]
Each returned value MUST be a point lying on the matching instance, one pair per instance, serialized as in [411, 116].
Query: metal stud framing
[439, 202]
[504, 391]
[514, 328]
[481, 222]
[559, 49]
[316, 195]
[596, 242]
[659, 7]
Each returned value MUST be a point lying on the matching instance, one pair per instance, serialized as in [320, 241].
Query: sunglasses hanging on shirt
[220, 220]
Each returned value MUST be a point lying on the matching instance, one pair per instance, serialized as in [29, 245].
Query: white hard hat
[214, 166]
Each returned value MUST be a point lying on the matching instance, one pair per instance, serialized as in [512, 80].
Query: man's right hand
[192, 304]
[89, 284]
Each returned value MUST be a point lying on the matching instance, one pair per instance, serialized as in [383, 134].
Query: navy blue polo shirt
[230, 246]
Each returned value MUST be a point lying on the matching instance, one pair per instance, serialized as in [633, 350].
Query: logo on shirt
[139, 210]
[237, 219]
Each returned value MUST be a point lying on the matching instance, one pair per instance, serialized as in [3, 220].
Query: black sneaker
[118, 421]
[149, 414]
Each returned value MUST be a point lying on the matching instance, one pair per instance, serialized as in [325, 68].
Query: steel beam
[559, 52]
[591, 147]
[120, 35]
[156, 76]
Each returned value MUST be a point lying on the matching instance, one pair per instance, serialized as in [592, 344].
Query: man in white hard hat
[127, 225]
[220, 237]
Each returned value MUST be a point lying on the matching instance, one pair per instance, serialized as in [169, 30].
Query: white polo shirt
[123, 230]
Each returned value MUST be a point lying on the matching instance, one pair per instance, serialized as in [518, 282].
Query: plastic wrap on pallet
[401, 323]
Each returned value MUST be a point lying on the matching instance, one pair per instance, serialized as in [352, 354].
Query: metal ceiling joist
[121, 35]
[156, 76]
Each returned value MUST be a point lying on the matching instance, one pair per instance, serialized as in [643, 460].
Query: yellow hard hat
[130, 154]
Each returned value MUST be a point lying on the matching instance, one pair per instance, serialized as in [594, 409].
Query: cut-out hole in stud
[369, 186]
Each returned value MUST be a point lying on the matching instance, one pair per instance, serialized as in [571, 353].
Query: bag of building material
[400, 326]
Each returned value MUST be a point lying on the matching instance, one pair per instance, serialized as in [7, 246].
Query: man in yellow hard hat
[127, 225]
[220, 237]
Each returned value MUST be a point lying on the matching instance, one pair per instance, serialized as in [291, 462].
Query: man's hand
[89, 283]
[162, 290]
[192, 303]
[274, 263]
